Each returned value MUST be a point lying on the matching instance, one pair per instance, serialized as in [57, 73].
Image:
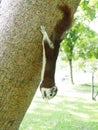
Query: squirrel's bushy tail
[66, 21]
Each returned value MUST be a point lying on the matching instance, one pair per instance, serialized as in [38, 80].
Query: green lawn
[86, 87]
[72, 111]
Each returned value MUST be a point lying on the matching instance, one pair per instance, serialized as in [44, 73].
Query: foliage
[87, 47]
[80, 41]
[88, 9]
[69, 41]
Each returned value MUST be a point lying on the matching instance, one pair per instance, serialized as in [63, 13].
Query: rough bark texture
[21, 53]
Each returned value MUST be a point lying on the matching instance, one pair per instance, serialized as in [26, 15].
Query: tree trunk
[71, 71]
[92, 87]
[21, 53]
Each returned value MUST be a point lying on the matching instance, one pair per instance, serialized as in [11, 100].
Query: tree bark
[92, 87]
[21, 53]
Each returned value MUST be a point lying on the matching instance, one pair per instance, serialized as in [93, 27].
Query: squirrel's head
[48, 93]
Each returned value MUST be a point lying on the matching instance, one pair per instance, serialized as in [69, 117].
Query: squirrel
[50, 52]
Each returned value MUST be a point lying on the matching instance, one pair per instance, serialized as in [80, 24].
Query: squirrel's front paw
[42, 28]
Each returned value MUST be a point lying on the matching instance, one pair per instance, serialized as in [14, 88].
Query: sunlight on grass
[69, 112]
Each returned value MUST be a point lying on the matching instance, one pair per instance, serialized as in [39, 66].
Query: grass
[86, 87]
[70, 111]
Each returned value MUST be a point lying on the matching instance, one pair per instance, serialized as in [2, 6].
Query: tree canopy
[80, 42]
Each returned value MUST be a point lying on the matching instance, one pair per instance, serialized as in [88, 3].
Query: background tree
[80, 39]
[87, 51]
[21, 53]
[68, 45]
